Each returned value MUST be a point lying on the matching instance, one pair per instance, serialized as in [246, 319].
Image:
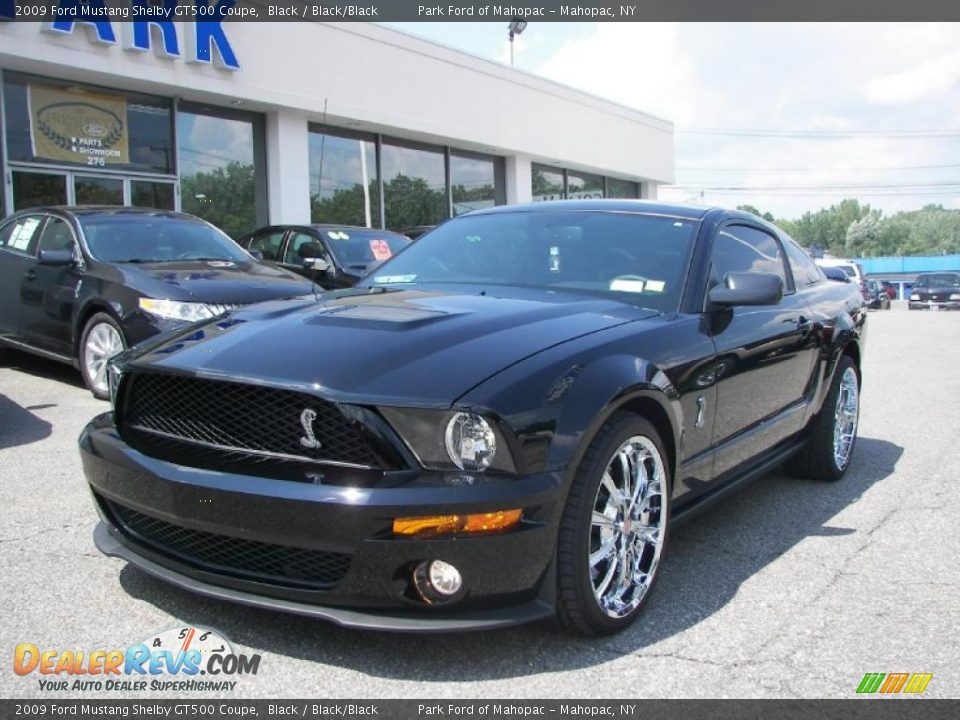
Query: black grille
[231, 419]
[277, 564]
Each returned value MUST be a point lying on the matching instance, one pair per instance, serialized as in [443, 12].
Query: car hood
[409, 347]
[215, 281]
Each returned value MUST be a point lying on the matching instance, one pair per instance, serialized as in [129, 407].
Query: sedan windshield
[358, 248]
[144, 238]
[940, 280]
[634, 257]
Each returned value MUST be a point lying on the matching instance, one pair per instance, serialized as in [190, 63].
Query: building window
[343, 179]
[584, 186]
[549, 183]
[222, 178]
[159, 195]
[622, 189]
[414, 185]
[62, 123]
[35, 189]
[475, 181]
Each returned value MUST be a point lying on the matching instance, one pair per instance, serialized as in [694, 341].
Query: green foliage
[410, 201]
[851, 229]
[752, 210]
[225, 197]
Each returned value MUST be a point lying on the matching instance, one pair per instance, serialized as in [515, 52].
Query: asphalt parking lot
[787, 589]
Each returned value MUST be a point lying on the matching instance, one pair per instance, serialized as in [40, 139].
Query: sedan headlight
[915, 296]
[470, 442]
[955, 296]
[174, 310]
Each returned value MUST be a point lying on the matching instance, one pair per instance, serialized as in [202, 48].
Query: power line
[820, 134]
[815, 169]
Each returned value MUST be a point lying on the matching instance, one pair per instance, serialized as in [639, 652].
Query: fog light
[437, 581]
[446, 524]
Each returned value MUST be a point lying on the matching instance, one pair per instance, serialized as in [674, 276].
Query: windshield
[358, 248]
[156, 238]
[634, 257]
[849, 270]
[939, 280]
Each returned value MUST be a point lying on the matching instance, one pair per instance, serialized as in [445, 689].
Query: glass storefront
[343, 180]
[222, 178]
[31, 189]
[60, 123]
[420, 184]
[473, 182]
[553, 183]
[92, 190]
[414, 186]
[159, 195]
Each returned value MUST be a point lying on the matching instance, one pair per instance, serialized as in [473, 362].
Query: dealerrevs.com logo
[177, 660]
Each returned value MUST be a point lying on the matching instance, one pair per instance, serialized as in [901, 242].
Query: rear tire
[102, 339]
[614, 528]
[833, 435]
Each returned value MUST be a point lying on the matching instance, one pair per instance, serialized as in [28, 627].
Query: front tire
[833, 435]
[102, 338]
[614, 528]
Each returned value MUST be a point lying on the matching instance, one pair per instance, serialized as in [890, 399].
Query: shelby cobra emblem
[309, 440]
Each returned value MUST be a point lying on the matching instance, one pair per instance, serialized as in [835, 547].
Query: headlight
[452, 440]
[915, 296]
[470, 442]
[173, 310]
[955, 296]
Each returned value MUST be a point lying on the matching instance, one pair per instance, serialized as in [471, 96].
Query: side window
[300, 243]
[56, 235]
[21, 236]
[268, 243]
[805, 271]
[738, 248]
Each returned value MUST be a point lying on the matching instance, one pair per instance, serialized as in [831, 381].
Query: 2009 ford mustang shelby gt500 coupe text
[500, 424]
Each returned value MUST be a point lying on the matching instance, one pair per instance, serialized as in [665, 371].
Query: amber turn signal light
[446, 524]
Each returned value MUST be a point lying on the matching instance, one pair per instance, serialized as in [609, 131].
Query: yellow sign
[78, 127]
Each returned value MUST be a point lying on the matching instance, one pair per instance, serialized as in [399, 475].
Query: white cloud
[925, 80]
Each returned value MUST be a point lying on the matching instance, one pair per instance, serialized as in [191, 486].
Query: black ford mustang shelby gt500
[499, 424]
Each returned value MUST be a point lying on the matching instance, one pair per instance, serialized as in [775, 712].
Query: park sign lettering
[206, 42]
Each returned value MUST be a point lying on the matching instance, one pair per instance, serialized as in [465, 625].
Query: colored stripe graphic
[870, 682]
[894, 682]
[918, 683]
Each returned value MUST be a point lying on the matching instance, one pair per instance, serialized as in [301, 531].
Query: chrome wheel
[102, 343]
[846, 415]
[627, 527]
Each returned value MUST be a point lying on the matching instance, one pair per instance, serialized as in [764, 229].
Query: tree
[225, 197]
[752, 210]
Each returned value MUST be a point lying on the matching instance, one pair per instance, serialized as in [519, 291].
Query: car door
[303, 244]
[49, 292]
[765, 354]
[268, 242]
[18, 243]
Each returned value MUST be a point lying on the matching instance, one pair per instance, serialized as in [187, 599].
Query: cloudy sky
[818, 112]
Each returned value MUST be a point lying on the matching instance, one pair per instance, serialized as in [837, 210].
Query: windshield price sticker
[380, 249]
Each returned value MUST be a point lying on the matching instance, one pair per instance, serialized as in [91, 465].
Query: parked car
[501, 423]
[836, 274]
[337, 256]
[876, 297]
[936, 291]
[79, 284]
[853, 270]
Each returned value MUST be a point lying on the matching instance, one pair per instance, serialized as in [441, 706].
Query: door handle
[30, 275]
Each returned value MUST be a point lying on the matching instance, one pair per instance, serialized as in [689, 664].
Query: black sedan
[335, 256]
[936, 291]
[500, 424]
[80, 284]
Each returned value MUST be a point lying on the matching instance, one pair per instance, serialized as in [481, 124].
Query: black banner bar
[193, 709]
[427, 11]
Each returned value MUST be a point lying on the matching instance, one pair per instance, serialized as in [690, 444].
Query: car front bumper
[507, 576]
[931, 305]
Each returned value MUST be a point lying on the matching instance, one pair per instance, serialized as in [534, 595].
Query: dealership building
[248, 124]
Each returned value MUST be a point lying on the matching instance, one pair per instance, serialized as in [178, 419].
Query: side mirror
[747, 288]
[257, 255]
[317, 264]
[56, 257]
